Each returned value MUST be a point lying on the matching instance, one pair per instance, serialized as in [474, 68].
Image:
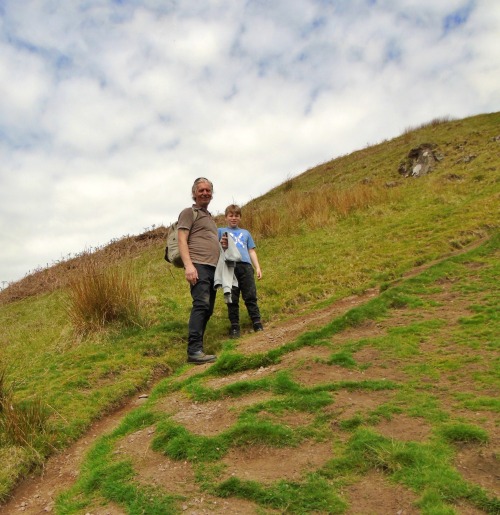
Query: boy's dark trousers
[203, 295]
[244, 272]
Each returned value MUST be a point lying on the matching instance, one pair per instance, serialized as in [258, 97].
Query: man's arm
[190, 271]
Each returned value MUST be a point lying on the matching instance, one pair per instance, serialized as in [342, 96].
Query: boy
[244, 272]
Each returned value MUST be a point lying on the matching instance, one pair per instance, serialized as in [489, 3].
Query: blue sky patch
[457, 18]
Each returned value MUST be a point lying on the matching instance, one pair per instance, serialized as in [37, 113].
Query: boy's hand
[259, 273]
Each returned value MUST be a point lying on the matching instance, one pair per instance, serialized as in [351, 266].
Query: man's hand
[191, 274]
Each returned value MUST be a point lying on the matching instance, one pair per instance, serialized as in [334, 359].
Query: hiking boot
[200, 358]
[257, 326]
[234, 332]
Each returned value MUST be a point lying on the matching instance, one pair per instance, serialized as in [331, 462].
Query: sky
[110, 109]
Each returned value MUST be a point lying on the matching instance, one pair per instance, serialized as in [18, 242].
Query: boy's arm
[255, 262]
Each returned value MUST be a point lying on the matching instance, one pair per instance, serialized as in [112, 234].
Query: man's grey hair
[195, 186]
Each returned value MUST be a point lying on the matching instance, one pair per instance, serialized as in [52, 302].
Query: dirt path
[372, 495]
[36, 494]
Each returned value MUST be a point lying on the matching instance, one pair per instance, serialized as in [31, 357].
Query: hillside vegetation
[339, 229]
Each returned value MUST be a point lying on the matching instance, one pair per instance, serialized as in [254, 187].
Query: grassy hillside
[337, 229]
[380, 403]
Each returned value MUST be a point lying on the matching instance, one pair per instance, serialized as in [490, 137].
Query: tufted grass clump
[463, 433]
[23, 423]
[100, 296]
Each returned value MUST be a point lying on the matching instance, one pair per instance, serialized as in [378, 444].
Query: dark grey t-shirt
[203, 241]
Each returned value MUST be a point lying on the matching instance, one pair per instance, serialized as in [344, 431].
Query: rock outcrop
[420, 161]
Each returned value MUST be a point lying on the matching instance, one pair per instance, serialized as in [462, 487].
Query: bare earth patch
[248, 375]
[277, 336]
[479, 464]
[264, 464]
[403, 428]
[347, 403]
[175, 477]
[154, 467]
[375, 495]
[211, 418]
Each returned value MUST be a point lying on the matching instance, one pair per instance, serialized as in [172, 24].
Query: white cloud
[23, 86]
[88, 118]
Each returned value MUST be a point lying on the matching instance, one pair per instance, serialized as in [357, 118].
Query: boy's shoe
[257, 326]
[200, 358]
[234, 332]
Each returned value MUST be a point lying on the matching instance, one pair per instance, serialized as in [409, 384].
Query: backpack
[172, 253]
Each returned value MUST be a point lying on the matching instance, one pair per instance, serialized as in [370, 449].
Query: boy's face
[233, 220]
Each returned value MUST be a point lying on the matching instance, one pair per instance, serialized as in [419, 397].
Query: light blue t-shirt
[243, 240]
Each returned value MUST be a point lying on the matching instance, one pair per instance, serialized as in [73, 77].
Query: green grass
[463, 433]
[312, 495]
[425, 468]
[322, 236]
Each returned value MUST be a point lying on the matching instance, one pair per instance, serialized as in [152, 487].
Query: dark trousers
[203, 295]
[244, 272]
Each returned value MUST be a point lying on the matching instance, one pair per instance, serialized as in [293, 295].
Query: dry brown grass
[59, 274]
[21, 424]
[313, 209]
[101, 294]
[433, 123]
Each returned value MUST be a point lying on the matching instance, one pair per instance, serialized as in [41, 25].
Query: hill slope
[338, 411]
[341, 228]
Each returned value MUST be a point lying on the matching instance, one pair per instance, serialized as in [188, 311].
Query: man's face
[233, 220]
[203, 194]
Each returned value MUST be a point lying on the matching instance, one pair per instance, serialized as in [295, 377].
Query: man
[199, 249]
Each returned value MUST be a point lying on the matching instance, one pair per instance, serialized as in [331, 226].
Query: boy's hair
[233, 208]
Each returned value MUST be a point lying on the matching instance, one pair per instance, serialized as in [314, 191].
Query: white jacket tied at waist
[224, 273]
